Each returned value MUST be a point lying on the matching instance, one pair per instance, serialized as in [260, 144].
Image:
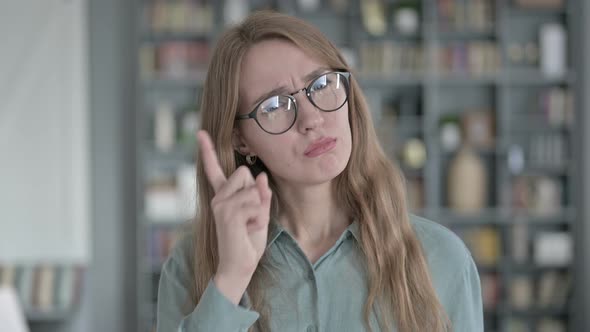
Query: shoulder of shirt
[182, 253]
[440, 243]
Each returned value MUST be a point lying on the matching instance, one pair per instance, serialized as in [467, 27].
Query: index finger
[210, 162]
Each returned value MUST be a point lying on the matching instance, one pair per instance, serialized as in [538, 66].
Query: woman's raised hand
[241, 208]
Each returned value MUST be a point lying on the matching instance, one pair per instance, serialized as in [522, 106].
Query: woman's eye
[271, 109]
[320, 84]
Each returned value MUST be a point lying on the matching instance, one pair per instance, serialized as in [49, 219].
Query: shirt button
[310, 277]
[311, 328]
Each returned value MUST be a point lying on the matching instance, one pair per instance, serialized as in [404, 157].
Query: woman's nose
[309, 117]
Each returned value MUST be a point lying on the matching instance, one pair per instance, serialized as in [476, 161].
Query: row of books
[458, 15]
[45, 287]
[174, 126]
[187, 16]
[174, 60]
[541, 4]
[546, 108]
[547, 150]
[547, 290]
[543, 249]
[171, 195]
[485, 244]
[516, 324]
[472, 58]
[538, 194]
[557, 106]
[386, 58]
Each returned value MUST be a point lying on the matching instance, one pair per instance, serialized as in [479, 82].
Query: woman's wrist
[231, 287]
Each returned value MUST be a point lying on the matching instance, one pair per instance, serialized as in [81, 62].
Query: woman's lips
[320, 146]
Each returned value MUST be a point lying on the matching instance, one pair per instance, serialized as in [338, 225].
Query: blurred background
[481, 103]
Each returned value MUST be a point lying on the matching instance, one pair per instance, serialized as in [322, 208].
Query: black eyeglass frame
[252, 114]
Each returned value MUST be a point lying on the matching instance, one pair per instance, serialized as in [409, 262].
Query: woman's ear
[238, 143]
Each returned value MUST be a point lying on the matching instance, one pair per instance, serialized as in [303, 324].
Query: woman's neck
[314, 216]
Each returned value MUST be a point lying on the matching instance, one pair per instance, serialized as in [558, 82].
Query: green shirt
[326, 296]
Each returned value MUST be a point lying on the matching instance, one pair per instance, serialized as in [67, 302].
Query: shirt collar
[354, 230]
[275, 230]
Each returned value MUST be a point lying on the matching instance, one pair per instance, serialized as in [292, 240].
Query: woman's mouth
[320, 146]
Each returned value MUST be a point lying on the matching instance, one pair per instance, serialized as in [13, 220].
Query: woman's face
[290, 156]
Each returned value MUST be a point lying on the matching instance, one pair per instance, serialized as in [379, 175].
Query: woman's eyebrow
[314, 74]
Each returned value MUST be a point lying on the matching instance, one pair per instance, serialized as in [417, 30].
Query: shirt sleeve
[466, 315]
[214, 312]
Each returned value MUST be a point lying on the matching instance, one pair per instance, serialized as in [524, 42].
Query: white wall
[44, 192]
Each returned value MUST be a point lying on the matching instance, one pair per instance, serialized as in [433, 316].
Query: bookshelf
[48, 292]
[457, 72]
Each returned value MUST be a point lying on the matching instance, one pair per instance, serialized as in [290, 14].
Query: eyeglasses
[277, 114]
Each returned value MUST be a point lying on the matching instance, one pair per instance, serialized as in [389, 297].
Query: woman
[303, 222]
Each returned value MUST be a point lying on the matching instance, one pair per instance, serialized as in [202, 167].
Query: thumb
[264, 191]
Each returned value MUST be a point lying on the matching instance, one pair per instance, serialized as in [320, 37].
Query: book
[484, 244]
[46, 288]
[521, 292]
[25, 283]
[551, 325]
[78, 284]
[553, 289]
[7, 276]
[490, 288]
[64, 292]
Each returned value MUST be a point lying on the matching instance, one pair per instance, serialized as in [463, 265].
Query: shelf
[160, 37]
[565, 216]
[400, 79]
[48, 316]
[412, 173]
[406, 126]
[444, 78]
[483, 152]
[489, 216]
[178, 154]
[533, 268]
[488, 268]
[493, 216]
[466, 35]
[518, 77]
[536, 312]
[505, 264]
[167, 222]
[535, 78]
[523, 11]
[558, 170]
[396, 37]
[173, 83]
[324, 11]
[539, 127]
[508, 310]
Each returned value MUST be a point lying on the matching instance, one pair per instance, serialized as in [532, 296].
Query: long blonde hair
[371, 187]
